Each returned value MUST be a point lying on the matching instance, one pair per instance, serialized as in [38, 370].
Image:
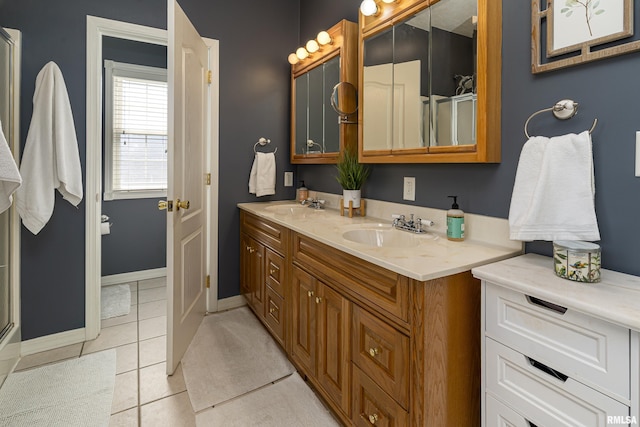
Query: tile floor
[144, 395]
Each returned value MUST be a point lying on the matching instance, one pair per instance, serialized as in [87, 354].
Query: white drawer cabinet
[586, 349]
[551, 353]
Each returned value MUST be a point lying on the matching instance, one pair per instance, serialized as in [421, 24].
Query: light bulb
[323, 38]
[368, 7]
[312, 46]
[389, 1]
[302, 53]
[293, 59]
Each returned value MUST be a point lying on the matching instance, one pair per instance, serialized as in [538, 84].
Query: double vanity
[383, 323]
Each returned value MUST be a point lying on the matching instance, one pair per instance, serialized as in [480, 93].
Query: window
[135, 131]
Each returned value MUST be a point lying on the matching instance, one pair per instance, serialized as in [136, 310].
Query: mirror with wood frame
[430, 82]
[319, 132]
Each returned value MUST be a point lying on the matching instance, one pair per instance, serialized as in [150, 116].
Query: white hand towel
[10, 178]
[553, 193]
[262, 179]
[50, 160]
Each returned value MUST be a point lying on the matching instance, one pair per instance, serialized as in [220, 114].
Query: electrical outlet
[288, 179]
[409, 190]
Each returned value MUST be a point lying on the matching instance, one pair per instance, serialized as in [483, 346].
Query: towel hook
[562, 110]
[263, 141]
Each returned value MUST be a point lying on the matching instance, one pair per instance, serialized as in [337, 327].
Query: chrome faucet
[413, 226]
[314, 203]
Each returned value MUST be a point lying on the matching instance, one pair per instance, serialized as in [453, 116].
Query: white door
[188, 66]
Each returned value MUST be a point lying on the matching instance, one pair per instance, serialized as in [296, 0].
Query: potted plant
[351, 176]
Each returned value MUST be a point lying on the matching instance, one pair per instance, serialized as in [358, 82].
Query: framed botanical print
[569, 32]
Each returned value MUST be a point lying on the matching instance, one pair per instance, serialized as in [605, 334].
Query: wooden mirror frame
[488, 134]
[344, 36]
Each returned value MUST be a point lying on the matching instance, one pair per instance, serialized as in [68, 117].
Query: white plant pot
[351, 195]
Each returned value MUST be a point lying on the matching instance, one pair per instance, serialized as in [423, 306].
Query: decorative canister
[576, 260]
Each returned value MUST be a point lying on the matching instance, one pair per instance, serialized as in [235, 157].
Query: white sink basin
[293, 211]
[386, 237]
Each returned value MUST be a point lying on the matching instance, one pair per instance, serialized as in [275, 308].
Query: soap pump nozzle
[455, 202]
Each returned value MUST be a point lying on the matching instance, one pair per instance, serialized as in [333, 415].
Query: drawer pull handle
[309, 294]
[546, 304]
[272, 271]
[547, 370]
[374, 352]
[373, 418]
[272, 310]
[318, 300]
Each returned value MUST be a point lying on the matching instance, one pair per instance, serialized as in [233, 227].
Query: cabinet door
[252, 273]
[245, 267]
[333, 345]
[303, 288]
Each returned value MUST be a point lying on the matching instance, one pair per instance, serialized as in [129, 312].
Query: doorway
[97, 29]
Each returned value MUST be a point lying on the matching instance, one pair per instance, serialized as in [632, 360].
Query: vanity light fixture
[389, 1]
[369, 8]
[312, 46]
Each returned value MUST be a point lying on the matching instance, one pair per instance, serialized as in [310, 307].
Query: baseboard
[50, 342]
[133, 276]
[231, 302]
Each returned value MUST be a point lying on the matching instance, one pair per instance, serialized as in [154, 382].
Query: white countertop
[433, 257]
[616, 298]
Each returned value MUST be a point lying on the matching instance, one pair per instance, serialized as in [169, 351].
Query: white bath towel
[553, 194]
[10, 178]
[262, 180]
[50, 159]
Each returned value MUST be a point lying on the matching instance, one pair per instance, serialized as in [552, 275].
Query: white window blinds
[137, 143]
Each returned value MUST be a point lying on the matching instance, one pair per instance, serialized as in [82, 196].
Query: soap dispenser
[302, 193]
[455, 221]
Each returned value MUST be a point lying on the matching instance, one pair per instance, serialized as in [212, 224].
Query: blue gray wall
[605, 89]
[255, 39]
[138, 239]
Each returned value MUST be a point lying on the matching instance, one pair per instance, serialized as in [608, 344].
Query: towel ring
[562, 110]
[263, 142]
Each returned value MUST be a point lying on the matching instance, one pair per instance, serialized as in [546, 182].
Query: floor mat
[77, 392]
[115, 300]
[287, 403]
[231, 354]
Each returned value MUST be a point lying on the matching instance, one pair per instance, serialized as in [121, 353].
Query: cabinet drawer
[545, 399]
[499, 414]
[372, 406]
[274, 314]
[587, 349]
[267, 232]
[275, 272]
[381, 352]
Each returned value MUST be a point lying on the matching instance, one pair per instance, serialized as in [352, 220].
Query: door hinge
[208, 281]
[209, 77]
[207, 179]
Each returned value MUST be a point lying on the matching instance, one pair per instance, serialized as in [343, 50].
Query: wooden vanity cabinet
[380, 348]
[320, 322]
[263, 271]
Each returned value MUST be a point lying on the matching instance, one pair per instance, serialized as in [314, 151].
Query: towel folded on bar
[10, 178]
[262, 180]
[50, 159]
[553, 193]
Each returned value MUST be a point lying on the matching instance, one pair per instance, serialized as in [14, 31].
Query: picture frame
[570, 32]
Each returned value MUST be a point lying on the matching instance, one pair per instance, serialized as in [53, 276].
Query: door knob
[165, 204]
[184, 204]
